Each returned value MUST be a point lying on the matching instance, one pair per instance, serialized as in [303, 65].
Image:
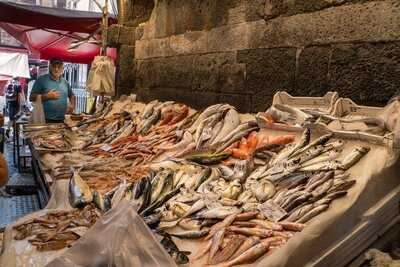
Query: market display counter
[349, 194]
[42, 178]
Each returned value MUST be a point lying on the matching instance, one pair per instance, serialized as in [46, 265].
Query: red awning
[48, 32]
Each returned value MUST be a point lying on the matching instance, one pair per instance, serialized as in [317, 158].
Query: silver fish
[188, 197]
[303, 141]
[322, 189]
[230, 202]
[190, 224]
[198, 205]
[328, 156]
[119, 194]
[298, 213]
[158, 185]
[297, 201]
[79, 191]
[218, 213]
[180, 209]
[334, 195]
[353, 157]
[103, 203]
[319, 141]
[205, 114]
[300, 116]
[327, 176]
[231, 121]
[191, 234]
[148, 109]
[341, 185]
[216, 243]
[312, 213]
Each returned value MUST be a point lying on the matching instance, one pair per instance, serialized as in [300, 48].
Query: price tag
[106, 147]
[240, 166]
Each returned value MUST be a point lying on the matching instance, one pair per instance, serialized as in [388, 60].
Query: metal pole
[105, 28]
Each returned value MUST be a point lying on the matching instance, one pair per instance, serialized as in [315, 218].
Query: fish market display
[207, 175]
[57, 230]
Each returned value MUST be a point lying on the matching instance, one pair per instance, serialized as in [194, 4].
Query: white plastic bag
[101, 79]
[37, 116]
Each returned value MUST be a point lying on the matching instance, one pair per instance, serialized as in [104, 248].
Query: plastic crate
[346, 107]
[323, 103]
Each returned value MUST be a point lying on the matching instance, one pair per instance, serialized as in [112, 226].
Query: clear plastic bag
[37, 116]
[121, 239]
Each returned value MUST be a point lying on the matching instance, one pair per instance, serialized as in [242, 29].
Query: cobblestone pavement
[14, 207]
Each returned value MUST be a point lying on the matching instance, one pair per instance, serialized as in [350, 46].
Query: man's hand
[53, 94]
[70, 109]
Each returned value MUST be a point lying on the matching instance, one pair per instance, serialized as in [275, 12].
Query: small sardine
[216, 242]
[260, 232]
[268, 225]
[353, 157]
[248, 256]
[191, 234]
[218, 213]
[189, 224]
[291, 226]
[312, 213]
[231, 247]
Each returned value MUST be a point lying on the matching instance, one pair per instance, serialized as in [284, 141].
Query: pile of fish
[53, 141]
[208, 175]
[57, 229]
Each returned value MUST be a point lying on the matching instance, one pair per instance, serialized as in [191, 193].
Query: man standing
[55, 92]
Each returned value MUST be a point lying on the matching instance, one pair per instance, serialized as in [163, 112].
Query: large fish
[248, 256]
[230, 122]
[205, 114]
[319, 141]
[312, 213]
[353, 157]
[191, 234]
[103, 203]
[79, 191]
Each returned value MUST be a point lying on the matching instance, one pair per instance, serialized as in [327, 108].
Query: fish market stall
[284, 187]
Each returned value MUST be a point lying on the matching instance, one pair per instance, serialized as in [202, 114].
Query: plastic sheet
[101, 77]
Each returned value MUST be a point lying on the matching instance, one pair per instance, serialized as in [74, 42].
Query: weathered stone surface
[372, 21]
[195, 100]
[180, 16]
[126, 74]
[367, 73]
[312, 71]
[274, 8]
[188, 43]
[207, 70]
[118, 34]
[269, 69]
[173, 72]
[232, 78]
[138, 13]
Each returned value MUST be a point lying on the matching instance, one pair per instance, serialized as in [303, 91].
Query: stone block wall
[243, 51]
